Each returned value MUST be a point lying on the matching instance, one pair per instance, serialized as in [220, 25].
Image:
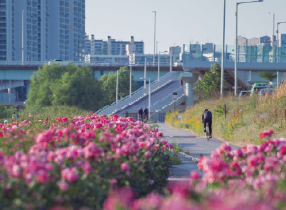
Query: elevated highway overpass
[15, 75]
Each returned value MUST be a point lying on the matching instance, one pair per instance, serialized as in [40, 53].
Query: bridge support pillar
[189, 79]
[189, 94]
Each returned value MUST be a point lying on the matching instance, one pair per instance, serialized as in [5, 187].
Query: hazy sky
[180, 21]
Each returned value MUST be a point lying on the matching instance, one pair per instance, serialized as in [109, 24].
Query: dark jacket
[207, 116]
[140, 112]
[145, 111]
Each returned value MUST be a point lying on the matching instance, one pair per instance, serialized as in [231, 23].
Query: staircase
[139, 94]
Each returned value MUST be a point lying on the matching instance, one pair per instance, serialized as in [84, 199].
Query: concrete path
[192, 144]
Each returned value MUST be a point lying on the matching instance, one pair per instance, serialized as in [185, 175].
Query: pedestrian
[14, 116]
[181, 82]
[146, 112]
[140, 112]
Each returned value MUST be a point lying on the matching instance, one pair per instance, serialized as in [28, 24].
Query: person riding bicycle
[140, 112]
[207, 118]
[146, 114]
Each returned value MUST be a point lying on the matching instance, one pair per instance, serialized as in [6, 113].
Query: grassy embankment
[246, 117]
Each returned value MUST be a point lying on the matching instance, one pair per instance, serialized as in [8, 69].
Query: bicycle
[207, 131]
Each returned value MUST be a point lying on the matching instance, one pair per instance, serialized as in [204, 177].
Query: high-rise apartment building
[112, 47]
[52, 29]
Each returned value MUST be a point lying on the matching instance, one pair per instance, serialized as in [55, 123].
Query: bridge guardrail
[160, 106]
[40, 63]
[138, 94]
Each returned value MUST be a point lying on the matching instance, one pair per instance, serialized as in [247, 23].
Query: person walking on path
[14, 116]
[181, 82]
[140, 112]
[146, 112]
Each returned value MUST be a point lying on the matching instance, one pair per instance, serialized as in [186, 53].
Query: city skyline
[180, 22]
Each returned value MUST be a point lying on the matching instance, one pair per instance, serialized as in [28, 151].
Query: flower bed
[74, 162]
[252, 177]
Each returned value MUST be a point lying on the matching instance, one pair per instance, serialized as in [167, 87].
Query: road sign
[175, 96]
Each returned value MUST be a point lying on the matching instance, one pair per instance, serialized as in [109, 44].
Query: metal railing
[83, 63]
[138, 94]
[164, 104]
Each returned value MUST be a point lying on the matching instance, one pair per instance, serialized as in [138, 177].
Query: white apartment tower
[53, 29]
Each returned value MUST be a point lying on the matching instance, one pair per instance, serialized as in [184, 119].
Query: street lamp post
[145, 72]
[235, 65]
[154, 38]
[273, 25]
[222, 54]
[117, 78]
[130, 88]
[23, 37]
[149, 103]
[171, 59]
[277, 44]
[149, 96]
[159, 64]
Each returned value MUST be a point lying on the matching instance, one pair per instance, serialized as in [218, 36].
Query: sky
[181, 22]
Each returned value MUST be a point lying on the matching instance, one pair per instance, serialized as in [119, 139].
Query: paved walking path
[194, 145]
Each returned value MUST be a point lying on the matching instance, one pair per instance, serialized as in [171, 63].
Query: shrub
[252, 177]
[73, 162]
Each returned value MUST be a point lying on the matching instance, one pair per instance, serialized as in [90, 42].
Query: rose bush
[251, 177]
[74, 162]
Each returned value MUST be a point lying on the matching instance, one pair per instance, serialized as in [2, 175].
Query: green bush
[187, 125]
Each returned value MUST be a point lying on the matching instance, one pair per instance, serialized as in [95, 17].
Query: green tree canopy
[210, 82]
[65, 85]
[268, 75]
[108, 85]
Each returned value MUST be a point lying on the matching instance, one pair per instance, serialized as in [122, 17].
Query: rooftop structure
[112, 46]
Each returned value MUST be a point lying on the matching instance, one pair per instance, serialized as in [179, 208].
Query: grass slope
[246, 117]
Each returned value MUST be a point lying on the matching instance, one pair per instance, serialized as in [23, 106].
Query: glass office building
[254, 54]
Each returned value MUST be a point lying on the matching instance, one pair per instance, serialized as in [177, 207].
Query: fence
[154, 116]
[138, 94]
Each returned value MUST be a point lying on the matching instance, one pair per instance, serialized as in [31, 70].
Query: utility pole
[222, 54]
[23, 37]
[145, 69]
[154, 38]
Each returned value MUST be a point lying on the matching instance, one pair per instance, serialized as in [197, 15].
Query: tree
[268, 75]
[108, 84]
[210, 82]
[65, 85]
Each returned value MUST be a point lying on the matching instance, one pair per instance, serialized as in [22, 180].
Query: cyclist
[207, 118]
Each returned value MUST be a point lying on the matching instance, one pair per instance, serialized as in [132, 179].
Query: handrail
[180, 92]
[81, 63]
[137, 95]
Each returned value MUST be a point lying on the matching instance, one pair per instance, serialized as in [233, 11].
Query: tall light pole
[130, 88]
[145, 72]
[273, 25]
[154, 38]
[149, 103]
[23, 37]
[277, 45]
[131, 58]
[171, 59]
[222, 54]
[117, 78]
[159, 64]
[235, 65]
